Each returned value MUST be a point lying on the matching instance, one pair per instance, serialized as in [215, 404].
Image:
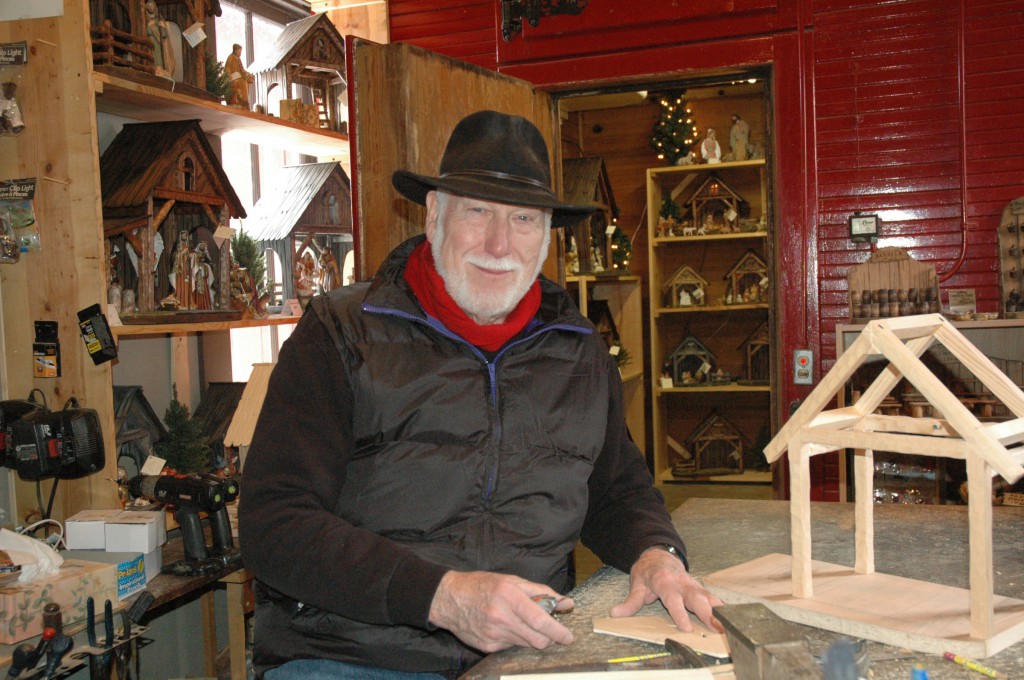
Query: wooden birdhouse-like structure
[923, 616]
[747, 281]
[585, 180]
[306, 219]
[714, 207]
[300, 74]
[150, 41]
[717, 446]
[691, 362]
[685, 288]
[166, 200]
[757, 352]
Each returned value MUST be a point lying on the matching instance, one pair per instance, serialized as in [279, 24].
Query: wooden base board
[898, 611]
[657, 629]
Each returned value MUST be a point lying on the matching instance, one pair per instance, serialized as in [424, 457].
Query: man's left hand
[660, 575]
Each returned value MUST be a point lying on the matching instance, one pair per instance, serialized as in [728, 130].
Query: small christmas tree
[622, 250]
[676, 132]
[246, 252]
[185, 448]
[218, 82]
[670, 210]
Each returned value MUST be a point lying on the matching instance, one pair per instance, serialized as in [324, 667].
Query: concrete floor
[675, 494]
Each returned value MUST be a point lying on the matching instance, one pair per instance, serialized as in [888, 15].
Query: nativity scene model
[166, 200]
[159, 43]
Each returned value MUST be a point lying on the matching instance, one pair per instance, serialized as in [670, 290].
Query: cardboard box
[134, 531]
[134, 570]
[21, 605]
[85, 530]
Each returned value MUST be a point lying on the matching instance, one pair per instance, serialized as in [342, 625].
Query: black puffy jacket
[390, 451]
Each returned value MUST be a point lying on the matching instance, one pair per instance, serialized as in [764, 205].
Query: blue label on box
[131, 576]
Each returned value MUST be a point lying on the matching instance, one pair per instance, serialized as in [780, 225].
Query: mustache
[505, 264]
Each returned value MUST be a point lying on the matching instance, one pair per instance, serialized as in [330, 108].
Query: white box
[136, 531]
[85, 530]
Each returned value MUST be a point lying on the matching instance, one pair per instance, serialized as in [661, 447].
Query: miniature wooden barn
[214, 414]
[309, 211]
[717, 446]
[585, 180]
[714, 207]
[747, 280]
[757, 353]
[123, 32]
[923, 616]
[137, 428]
[239, 433]
[165, 195]
[691, 362]
[304, 64]
[685, 288]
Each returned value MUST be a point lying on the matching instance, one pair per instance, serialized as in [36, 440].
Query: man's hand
[494, 611]
[660, 575]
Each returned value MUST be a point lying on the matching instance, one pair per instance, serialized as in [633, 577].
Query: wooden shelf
[152, 104]
[715, 309]
[766, 389]
[199, 326]
[673, 240]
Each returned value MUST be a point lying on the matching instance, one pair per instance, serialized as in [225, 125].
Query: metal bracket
[514, 11]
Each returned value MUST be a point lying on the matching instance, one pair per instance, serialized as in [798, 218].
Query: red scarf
[427, 284]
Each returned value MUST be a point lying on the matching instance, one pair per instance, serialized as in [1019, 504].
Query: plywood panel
[407, 100]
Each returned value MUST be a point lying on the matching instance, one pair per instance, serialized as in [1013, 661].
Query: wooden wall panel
[464, 29]
[908, 107]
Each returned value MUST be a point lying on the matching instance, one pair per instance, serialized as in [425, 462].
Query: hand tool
[134, 615]
[60, 645]
[99, 669]
[547, 602]
[26, 656]
[691, 657]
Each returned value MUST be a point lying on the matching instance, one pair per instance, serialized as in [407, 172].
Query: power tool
[188, 495]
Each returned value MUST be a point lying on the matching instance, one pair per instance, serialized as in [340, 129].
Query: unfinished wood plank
[902, 612]
[889, 441]
[668, 674]
[658, 628]
[887, 380]
[837, 418]
[864, 521]
[979, 511]
[800, 517]
[1008, 432]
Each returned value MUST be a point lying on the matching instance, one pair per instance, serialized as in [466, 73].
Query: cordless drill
[189, 495]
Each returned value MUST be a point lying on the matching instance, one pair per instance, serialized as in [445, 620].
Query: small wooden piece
[659, 628]
[891, 269]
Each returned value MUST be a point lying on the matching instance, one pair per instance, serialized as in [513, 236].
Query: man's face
[488, 254]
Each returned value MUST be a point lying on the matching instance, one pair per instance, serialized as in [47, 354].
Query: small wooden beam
[162, 215]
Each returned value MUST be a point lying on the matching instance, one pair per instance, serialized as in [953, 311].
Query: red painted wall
[908, 108]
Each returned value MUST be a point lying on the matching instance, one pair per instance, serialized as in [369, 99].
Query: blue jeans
[325, 669]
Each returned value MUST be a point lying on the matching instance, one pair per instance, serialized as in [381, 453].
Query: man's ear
[430, 222]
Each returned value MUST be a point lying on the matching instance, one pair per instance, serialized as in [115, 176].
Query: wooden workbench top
[926, 543]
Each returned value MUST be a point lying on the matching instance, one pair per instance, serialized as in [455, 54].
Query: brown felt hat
[495, 157]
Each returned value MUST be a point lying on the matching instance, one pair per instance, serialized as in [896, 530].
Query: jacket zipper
[492, 367]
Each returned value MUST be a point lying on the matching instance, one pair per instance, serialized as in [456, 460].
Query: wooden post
[800, 511]
[864, 534]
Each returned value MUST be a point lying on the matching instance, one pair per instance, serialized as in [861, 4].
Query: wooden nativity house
[930, 617]
[137, 428]
[308, 212]
[123, 34]
[165, 196]
[714, 207]
[585, 180]
[717, 446]
[303, 64]
[691, 362]
[685, 288]
[747, 280]
[757, 356]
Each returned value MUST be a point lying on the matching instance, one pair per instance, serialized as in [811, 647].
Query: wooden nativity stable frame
[904, 612]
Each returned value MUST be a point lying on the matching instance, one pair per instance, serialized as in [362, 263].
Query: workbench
[922, 542]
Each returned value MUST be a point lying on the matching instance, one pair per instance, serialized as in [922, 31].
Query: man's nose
[497, 238]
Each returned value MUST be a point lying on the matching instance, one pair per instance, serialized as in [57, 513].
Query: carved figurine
[710, 149]
[156, 31]
[240, 78]
[738, 138]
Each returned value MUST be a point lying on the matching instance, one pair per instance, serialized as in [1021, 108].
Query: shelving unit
[624, 296]
[720, 319]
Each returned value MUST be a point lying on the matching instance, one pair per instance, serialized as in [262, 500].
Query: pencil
[641, 657]
[975, 666]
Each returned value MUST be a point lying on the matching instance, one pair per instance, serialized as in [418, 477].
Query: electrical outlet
[803, 367]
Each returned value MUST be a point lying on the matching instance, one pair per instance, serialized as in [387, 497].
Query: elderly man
[434, 443]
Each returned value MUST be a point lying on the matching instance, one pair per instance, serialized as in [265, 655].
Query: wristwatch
[670, 549]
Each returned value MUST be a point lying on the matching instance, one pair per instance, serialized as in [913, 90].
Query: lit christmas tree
[622, 249]
[676, 132]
